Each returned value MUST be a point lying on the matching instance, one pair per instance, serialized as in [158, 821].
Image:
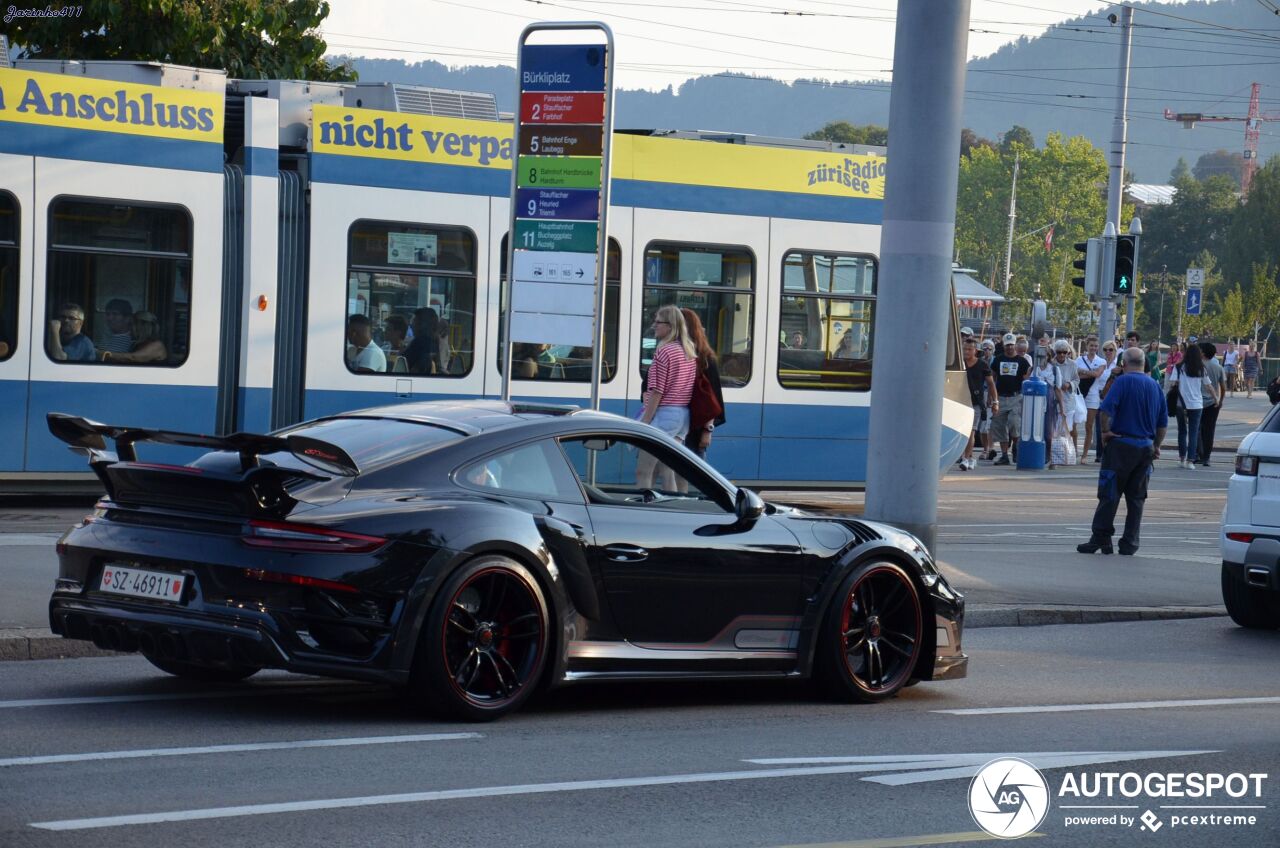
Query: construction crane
[1252, 129]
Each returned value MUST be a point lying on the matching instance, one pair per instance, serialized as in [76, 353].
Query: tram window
[8, 274]
[411, 299]
[718, 284]
[826, 321]
[563, 362]
[119, 282]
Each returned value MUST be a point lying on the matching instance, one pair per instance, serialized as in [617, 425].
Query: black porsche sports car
[472, 552]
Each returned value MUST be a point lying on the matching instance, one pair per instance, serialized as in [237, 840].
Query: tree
[1254, 235]
[844, 132]
[1262, 306]
[1017, 135]
[1180, 171]
[251, 39]
[1196, 220]
[1061, 185]
[1219, 163]
[970, 139]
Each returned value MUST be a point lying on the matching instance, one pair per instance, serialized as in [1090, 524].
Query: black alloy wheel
[484, 647]
[872, 635]
[203, 673]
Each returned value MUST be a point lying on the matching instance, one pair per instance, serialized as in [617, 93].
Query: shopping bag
[1063, 449]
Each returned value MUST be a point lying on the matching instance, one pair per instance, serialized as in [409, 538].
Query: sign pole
[560, 196]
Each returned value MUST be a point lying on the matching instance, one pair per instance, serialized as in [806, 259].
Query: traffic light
[1126, 262]
[1090, 263]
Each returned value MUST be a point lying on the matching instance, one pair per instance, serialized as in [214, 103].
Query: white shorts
[672, 420]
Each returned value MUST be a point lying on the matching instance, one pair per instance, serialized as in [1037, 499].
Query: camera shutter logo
[1008, 798]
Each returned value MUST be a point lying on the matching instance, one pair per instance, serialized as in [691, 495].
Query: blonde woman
[669, 387]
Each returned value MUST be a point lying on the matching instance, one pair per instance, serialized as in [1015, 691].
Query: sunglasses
[70, 318]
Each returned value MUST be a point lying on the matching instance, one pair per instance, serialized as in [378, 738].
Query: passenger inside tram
[362, 354]
[65, 341]
[147, 347]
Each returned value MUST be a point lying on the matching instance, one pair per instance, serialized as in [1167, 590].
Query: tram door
[15, 305]
[125, 312]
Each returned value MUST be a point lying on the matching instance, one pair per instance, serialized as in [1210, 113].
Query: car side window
[536, 469]
[637, 473]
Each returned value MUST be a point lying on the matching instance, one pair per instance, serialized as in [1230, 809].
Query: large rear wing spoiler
[90, 437]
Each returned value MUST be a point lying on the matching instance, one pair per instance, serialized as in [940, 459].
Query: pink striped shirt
[673, 375]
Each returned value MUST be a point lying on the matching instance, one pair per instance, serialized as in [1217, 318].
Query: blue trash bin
[1032, 446]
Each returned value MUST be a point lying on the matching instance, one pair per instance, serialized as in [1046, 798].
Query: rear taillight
[1247, 466]
[297, 580]
[284, 536]
[1241, 537]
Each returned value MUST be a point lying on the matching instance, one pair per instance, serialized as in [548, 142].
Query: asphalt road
[644, 765]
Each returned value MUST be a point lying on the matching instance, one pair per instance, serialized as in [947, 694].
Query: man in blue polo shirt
[1134, 418]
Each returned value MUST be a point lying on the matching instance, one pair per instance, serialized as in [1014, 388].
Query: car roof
[471, 417]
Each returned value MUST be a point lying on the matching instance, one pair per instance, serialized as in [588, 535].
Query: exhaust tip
[98, 635]
[111, 635]
[147, 643]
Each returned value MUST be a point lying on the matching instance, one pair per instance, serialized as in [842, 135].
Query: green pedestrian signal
[1126, 261]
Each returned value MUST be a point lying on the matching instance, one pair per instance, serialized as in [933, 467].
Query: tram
[236, 227]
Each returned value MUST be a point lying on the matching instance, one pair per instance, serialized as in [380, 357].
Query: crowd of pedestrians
[1195, 378]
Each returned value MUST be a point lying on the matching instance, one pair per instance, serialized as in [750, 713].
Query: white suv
[1251, 529]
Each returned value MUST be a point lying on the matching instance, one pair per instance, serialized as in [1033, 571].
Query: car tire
[872, 634]
[485, 642]
[203, 673]
[1249, 606]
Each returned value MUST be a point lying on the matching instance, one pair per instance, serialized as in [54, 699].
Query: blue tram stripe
[114, 148]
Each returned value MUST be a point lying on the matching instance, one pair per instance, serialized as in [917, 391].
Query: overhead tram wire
[719, 33]
[797, 66]
[870, 87]
[1151, 11]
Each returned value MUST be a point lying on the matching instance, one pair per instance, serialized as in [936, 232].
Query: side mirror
[748, 506]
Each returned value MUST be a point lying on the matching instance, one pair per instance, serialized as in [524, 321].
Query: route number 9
[533, 208]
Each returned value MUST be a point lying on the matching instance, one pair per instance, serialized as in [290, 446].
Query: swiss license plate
[140, 583]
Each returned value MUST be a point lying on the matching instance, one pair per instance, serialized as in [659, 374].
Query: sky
[662, 43]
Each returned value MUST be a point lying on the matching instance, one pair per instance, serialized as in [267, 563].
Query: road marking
[307, 688]
[13, 540]
[911, 841]
[853, 765]
[1122, 705]
[933, 768]
[233, 749]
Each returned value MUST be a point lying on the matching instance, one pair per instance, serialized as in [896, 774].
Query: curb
[37, 644]
[994, 616]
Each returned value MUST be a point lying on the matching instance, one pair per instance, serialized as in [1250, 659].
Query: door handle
[626, 553]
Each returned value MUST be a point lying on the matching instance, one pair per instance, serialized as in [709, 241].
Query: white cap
[966, 331]
[1010, 338]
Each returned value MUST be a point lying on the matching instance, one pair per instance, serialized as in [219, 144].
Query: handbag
[704, 406]
[1172, 399]
[1086, 383]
